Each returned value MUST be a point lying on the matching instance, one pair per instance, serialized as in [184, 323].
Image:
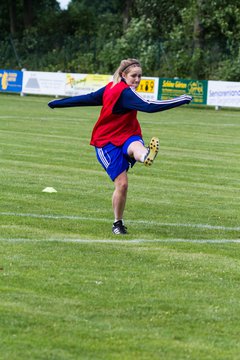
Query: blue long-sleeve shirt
[128, 100]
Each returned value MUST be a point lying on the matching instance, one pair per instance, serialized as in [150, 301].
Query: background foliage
[195, 38]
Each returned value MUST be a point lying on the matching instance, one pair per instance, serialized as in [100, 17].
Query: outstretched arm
[131, 100]
[91, 99]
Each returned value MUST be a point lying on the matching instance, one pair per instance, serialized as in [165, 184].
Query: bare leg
[120, 195]
[137, 150]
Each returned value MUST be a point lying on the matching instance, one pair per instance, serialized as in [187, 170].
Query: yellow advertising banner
[78, 84]
[148, 88]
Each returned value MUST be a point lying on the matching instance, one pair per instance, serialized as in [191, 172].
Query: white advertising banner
[69, 84]
[43, 83]
[223, 93]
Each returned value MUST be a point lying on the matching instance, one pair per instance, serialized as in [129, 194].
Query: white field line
[123, 241]
[147, 222]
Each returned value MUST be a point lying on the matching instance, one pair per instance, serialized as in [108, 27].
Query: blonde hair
[124, 67]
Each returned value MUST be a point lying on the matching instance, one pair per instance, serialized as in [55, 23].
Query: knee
[122, 186]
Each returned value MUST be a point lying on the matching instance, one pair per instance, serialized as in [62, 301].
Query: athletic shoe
[118, 228]
[153, 148]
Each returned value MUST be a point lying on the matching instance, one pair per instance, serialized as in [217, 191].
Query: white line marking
[125, 241]
[146, 222]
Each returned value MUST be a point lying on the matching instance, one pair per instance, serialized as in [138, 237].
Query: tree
[12, 16]
[197, 39]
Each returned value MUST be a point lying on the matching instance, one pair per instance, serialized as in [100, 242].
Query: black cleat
[118, 228]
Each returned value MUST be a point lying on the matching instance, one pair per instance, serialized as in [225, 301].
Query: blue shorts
[115, 159]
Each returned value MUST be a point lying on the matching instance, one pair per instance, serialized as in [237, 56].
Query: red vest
[114, 128]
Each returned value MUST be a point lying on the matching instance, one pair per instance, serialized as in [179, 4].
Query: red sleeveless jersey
[114, 128]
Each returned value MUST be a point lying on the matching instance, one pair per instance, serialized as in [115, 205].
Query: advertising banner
[11, 81]
[170, 88]
[79, 84]
[148, 88]
[223, 93]
[43, 83]
[72, 84]
[215, 93]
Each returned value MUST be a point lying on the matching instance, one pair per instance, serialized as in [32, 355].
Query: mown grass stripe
[147, 222]
[124, 241]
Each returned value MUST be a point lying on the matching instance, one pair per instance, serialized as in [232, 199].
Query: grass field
[69, 288]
